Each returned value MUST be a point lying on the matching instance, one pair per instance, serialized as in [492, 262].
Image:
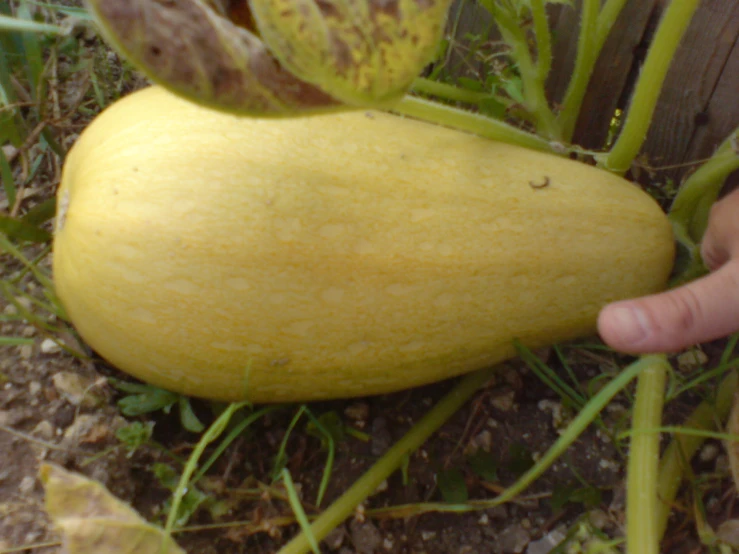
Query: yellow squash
[334, 255]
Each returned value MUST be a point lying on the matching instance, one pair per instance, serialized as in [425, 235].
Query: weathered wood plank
[699, 103]
[612, 77]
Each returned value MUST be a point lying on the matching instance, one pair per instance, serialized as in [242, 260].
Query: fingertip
[625, 327]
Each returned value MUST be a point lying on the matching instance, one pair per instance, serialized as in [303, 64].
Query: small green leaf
[20, 230]
[452, 486]
[332, 424]
[41, 213]
[484, 465]
[589, 497]
[146, 399]
[520, 459]
[135, 435]
[188, 418]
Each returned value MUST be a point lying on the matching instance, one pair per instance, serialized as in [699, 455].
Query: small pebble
[27, 484]
[709, 452]
[50, 346]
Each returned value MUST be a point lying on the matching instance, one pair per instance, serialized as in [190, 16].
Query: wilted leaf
[192, 48]
[278, 57]
[93, 521]
[365, 52]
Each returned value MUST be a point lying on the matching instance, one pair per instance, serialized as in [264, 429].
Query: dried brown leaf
[93, 521]
[192, 48]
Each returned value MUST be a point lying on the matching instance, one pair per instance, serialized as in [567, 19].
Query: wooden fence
[699, 104]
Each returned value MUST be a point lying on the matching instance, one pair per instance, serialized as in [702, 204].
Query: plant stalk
[670, 32]
[470, 122]
[641, 486]
[543, 39]
[587, 54]
[448, 92]
[533, 86]
[690, 207]
[366, 485]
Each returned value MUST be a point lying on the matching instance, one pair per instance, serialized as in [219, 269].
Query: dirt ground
[55, 407]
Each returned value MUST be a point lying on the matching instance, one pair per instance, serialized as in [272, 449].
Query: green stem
[641, 487]
[533, 87]
[683, 447]
[587, 54]
[366, 485]
[470, 122]
[211, 434]
[543, 39]
[670, 32]
[448, 92]
[693, 200]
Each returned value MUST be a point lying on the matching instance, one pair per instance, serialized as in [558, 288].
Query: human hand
[701, 311]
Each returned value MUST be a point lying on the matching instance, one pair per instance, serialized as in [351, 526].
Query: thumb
[701, 311]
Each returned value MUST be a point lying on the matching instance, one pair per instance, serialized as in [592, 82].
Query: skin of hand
[701, 311]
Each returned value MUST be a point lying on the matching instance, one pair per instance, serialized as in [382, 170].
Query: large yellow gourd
[334, 255]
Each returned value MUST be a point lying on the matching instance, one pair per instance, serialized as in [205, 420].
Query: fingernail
[630, 324]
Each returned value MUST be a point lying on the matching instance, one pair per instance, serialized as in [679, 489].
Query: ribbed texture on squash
[334, 255]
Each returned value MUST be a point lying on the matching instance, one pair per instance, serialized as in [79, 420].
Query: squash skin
[335, 255]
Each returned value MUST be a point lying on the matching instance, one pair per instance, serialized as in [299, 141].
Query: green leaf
[188, 418]
[484, 465]
[20, 230]
[589, 497]
[146, 400]
[331, 423]
[452, 486]
[135, 435]
[363, 53]
[41, 213]
[520, 459]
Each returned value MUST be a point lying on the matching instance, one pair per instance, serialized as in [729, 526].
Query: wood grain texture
[614, 72]
[699, 104]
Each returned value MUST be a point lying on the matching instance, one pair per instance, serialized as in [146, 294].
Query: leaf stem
[366, 485]
[470, 122]
[533, 86]
[448, 92]
[670, 31]
[641, 486]
[587, 54]
[694, 198]
[543, 39]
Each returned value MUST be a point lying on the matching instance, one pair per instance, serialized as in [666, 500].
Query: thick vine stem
[670, 32]
[449, 92]
[587, 54]
[470, 122]
[690, 207]
[366, 485]
[533, 86]
[641, 485]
